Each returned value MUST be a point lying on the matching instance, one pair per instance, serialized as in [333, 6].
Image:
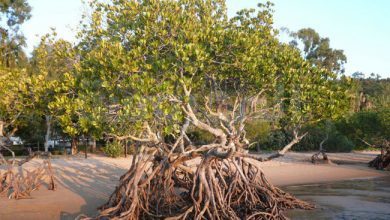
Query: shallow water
[354, 199]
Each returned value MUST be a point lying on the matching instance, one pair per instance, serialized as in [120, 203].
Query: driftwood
[15, 184]
[316, 157]
[382, 161]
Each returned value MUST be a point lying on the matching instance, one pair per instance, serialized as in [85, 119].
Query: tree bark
[2, 139]
[93, 145]
[48, 131]
[1, 129]
[382, 161]
[315, 158]
[125, 148]
[74, 145]
[86, 147]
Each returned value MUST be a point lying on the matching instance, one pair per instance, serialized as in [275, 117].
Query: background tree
[14, 81]
[15, 12]
[51, 60]
[317, 50]
[358, 75]
[16, 100]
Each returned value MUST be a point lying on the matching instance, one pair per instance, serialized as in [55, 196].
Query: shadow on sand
[92, 179]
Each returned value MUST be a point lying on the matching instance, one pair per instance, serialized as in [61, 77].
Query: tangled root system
[18, 183]
[226, 187]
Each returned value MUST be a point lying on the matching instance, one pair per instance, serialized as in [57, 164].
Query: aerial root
[315, 158]
[19, 184]
[220, 188]
[382, 161]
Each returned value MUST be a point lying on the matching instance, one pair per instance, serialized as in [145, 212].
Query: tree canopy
[136, 57]
[15, 12]
[154, 71]
[149, 70]
[317, 50]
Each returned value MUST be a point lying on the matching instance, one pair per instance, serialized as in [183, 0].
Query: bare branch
[152, 137]
[203, 148]
[368, 144]
[280, 153]
[12, 153]
[323, 141]
[195, 121]
[296, 140]
[255, 100]
[217, 114]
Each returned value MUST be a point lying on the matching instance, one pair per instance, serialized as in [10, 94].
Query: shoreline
[336, 181]
[308, 174]
[85, 184]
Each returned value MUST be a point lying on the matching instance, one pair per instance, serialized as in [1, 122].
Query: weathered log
[315, 158]
[382, 161]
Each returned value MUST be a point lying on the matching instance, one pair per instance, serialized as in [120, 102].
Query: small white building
[16, 140]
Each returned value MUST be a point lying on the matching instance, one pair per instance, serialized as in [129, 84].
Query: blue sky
[360, 27]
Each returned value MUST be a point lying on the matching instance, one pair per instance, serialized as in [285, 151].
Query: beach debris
[382, 161]
[18, 183]
[315, 159]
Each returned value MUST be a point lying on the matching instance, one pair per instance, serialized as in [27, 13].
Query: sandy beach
[85, 184]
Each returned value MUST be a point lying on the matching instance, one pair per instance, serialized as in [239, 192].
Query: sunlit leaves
[135, 57]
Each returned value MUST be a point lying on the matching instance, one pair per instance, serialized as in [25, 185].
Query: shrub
[338, 143]
[131, 150]
[273, 141]
[113, 149]
[370, 126]
[257, 132]
[58, 152]
[200, 137]
[19, 150]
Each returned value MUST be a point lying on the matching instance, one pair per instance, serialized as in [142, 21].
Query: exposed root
[316, 158]
[382, 161]
[16, 183]
[222, 187]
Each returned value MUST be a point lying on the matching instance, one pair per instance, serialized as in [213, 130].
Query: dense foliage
[182, 81]
[113, 149]
[128, 67]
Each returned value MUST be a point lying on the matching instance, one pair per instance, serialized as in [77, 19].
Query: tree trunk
[86, 147]
[382, 161]
[126, 148]
[2, 139]
[48, 131]
[315, 158]
[74, 145]
[93, 149]
[1, 129]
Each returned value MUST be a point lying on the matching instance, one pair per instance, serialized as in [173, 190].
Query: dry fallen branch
[316, 157]
[17, 183]
[382, 161]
